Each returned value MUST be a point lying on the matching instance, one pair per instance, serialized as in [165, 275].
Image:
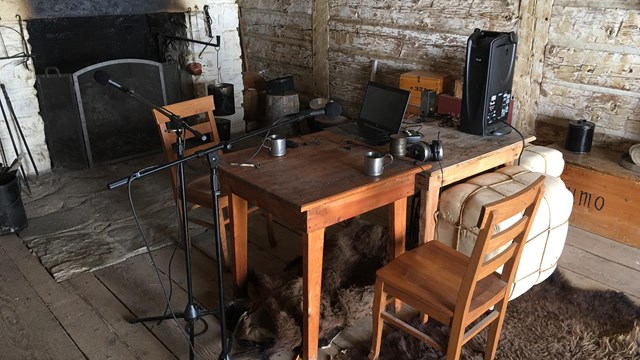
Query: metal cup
[374, 163]
[278, 145]
[398, 145]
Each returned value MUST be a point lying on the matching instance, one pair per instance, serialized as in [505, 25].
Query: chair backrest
[503, 248]
[185, 109]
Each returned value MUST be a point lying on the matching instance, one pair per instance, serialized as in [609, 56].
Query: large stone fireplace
[69, 120]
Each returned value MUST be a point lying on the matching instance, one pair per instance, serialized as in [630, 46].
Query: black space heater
[488, 79]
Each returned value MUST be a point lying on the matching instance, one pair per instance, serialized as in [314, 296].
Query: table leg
[429, 198]
[397, 227]
[238, 212]
[397, 234]
[312, 247]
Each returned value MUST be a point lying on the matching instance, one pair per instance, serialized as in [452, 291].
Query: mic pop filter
[101, 77]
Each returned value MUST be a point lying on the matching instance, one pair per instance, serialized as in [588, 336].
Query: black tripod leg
[212, 158]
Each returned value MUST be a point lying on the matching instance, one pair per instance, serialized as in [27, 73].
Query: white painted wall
[20, 82]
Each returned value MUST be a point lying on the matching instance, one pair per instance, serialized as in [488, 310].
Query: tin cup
[374, 163]
[398, 145]
[277, 145]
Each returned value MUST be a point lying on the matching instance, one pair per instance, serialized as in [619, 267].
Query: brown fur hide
[351, 257]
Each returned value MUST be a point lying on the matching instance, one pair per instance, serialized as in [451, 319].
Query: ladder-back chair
[456, 290]
[198, 188]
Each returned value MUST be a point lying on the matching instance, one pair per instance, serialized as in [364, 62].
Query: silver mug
[277, 145]
[374, 163]
[398, 145]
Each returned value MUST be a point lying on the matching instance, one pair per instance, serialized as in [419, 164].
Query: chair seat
[199, 192]
[430, 276]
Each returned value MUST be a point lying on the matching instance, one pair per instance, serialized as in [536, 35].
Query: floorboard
[28, 329]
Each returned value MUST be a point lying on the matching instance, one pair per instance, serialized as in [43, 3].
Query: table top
[324, 167]
[461, 149]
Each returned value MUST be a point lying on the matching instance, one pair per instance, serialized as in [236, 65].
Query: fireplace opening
[87, 124]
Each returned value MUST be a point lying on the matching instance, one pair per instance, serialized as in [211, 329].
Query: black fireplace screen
[87, 124]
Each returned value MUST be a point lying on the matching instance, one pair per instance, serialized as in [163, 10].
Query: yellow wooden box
[605, 195]
[419, 81]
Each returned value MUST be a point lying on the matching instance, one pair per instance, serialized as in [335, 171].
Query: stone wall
[20, 81]
[576, 59]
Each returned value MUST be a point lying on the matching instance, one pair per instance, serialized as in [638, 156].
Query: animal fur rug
[553, 320]
[273, 320]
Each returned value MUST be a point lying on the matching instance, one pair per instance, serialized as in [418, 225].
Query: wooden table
[315, 185]
[465, 155]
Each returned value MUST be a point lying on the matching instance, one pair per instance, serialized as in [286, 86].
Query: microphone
[331, 110]
[103, 78]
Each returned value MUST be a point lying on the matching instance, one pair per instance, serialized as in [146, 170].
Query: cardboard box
[419, 81]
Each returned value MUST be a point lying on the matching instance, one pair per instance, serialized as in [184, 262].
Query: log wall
[576, 59]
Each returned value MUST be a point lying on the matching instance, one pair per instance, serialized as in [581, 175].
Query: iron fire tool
[17, 124]
[15, 148]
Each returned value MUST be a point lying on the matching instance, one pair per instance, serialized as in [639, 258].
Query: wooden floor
[86, 317]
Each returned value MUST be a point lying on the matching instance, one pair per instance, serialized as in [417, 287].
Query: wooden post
[321, 48]
[533, 36]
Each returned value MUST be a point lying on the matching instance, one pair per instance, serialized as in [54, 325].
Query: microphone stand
[191, 312]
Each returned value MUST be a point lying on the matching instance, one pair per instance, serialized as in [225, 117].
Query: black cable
[153, 262]
[521, 136]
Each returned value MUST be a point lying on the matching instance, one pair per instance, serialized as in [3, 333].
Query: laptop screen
[383, 107]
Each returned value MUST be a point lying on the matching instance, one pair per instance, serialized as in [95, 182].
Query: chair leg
[494, 331]
[454, 346]
[424, 318]
[379, 303]
[272, 240]
[223, 240]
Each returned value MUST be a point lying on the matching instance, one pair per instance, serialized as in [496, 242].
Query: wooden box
[419, 81]
[606, 196]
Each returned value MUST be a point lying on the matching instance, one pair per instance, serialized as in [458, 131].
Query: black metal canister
[12, 214]
[580, 136]
[223, 98]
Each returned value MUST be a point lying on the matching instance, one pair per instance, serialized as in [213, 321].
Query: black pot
[580, 136]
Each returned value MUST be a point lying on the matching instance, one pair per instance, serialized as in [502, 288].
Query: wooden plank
[604, 4]
[454, 16]
[614, 251]
[608, 109]
[608, 69]
[111, 311]
[28, 330]
[321, 47]
[599, 269]
[284, 7]
[533, 35]
[92, 334]
[595, 25]
[135, 283]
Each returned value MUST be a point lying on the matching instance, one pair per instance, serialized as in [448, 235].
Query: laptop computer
[381, 113]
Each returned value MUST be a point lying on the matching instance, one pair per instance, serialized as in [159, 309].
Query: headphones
[426, 152]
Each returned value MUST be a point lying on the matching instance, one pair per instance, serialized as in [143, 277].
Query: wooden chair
[457, 290]
[198, 189]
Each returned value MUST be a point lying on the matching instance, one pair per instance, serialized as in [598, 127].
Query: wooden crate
[419, 81]
[606, 195]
